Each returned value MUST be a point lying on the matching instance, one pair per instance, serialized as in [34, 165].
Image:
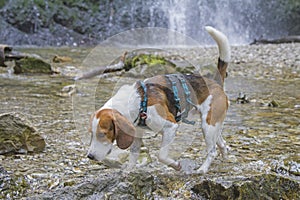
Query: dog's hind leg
[211, 135]
[213, 111]
[222, 146]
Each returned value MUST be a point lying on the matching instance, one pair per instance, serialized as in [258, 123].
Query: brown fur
[199, 86]
[115, 127]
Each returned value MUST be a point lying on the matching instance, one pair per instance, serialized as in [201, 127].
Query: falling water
[90, 21]
[242, 20]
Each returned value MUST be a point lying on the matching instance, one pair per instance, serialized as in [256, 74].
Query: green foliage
[40, 3]
[2, 3]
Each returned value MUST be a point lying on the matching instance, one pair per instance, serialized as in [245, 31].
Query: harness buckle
[143, 115]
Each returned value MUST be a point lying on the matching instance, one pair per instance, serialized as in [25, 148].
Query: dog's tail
[224, 51]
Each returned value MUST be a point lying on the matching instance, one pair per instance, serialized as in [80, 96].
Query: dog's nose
[90, 156]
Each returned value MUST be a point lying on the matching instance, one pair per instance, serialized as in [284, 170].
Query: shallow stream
[263, 135]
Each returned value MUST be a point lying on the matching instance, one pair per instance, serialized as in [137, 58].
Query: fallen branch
[287, 39]
[104, 69]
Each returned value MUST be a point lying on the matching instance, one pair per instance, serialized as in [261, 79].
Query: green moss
[146, 59]
[2, 3]
[32, 65]
[40, 3]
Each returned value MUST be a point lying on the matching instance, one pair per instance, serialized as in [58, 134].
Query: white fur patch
[126, 101]
[222, 41]
[205, 107]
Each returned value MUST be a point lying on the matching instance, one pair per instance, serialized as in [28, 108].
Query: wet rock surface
[145, 185]
[17, 135]
[31, 65]
[263, 140]
[23, 62]
[267, 186]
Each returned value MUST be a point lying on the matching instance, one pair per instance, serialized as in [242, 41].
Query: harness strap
[182, 114]
[173, 81]
[143, 106]
[188, 100]
[186, 90]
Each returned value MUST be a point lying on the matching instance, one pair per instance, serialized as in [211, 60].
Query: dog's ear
[90, 123]
[124, 131]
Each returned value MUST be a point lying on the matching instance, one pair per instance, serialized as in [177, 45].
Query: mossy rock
[17, 135]
[146, 59]
[32, 65]
[266, 186]
[147, 65]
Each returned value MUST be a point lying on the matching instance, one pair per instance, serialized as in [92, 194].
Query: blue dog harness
[181, 115]
[175, 79]
[143, 106]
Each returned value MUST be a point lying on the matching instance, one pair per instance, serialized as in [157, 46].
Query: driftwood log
[104, 69]
[287, 39]
[144, 63]
[7, 54]
[4, 50]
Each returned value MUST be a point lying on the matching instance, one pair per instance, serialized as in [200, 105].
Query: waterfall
[242, 20]
[89, 22]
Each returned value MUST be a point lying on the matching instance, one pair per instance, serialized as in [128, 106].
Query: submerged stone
[17, 135]
[32, 65]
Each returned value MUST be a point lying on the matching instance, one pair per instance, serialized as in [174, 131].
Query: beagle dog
[161, 103]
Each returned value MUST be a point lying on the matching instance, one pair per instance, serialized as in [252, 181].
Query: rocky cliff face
[58, 23]
[79, 22]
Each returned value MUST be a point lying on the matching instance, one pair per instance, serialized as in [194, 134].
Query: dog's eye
[111, 127]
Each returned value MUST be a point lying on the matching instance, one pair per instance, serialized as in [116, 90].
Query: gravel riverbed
[261, 138]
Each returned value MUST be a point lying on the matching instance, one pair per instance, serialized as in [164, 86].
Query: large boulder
[32, 65]
[17, 135]
[265, 186]
[24, 63]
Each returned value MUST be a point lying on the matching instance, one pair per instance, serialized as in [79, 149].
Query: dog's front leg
[167, 139]
[134, 152]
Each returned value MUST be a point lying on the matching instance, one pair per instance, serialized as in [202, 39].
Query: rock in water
[32, 65]
[265, 186]
[17, 135]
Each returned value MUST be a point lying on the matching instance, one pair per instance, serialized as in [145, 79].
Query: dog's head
[106, 126]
